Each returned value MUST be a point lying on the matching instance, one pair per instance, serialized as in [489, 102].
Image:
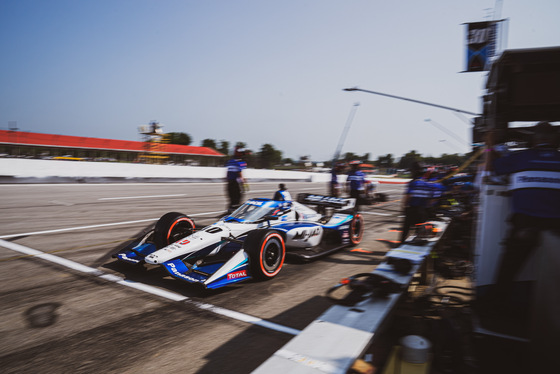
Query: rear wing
[339, 203]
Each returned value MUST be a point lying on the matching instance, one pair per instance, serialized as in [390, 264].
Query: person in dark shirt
[534, 176]
[355, 183]
[234, 179]
[416, 201]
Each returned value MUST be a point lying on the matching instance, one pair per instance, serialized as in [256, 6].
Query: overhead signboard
[481, 44]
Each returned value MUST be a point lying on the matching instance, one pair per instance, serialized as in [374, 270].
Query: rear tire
[356, 229]
[172, 227]
[266, 250]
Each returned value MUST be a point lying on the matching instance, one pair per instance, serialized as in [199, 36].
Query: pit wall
[16, 170]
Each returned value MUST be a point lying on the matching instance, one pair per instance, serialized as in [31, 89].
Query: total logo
[237, 274]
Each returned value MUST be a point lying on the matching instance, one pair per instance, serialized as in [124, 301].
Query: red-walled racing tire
[172, 227]
[356, 229]
[266, 250]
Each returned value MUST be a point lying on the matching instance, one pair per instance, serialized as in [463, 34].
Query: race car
[252, 242]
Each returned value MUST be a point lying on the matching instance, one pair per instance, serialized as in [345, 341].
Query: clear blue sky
[255, 71]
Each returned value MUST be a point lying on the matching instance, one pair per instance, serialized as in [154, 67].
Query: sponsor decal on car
[181, 275]
[237, 274]
[325, 199]
[306, 234]
[171, 248]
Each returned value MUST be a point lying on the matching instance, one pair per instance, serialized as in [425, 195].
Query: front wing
[222, 271]
[212, 274]
[134, 251]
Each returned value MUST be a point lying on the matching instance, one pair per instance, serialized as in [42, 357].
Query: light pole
[412, 100]
[344, 133]
[448, 132]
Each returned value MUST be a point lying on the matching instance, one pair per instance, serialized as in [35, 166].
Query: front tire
[356, 229]
[266, 250]
[172, 227]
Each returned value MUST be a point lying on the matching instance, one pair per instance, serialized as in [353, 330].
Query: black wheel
[356, 229]
[266, 251]
[172, 227]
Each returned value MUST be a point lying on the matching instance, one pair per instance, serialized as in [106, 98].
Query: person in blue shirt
[234, 178]
[282, 194]
[534, 176]
[417, 200]
[355, 183]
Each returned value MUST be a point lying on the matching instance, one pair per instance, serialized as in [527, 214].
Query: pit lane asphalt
[59, 319]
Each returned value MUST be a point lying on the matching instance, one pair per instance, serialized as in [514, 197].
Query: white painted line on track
[378, 214]
[206, 213]
[58, 202]
[51, 258]
[96, 226]
[147, 288]
[76, 228]
[140, 197]
[246, 318]
[274, 190]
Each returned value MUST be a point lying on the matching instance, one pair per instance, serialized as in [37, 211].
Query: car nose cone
[151, 259]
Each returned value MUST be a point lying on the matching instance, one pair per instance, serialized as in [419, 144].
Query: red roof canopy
[66, 141]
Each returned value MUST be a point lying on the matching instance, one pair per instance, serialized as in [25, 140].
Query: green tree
[408, 159]
[386, 161]
[269, 156]
[178, 138]
[224, 147]
[209, 143]
[349, 156]
[454, 159]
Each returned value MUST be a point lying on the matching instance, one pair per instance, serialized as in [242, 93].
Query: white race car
[250, 242]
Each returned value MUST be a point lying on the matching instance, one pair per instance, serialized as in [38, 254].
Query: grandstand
[52, 146]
